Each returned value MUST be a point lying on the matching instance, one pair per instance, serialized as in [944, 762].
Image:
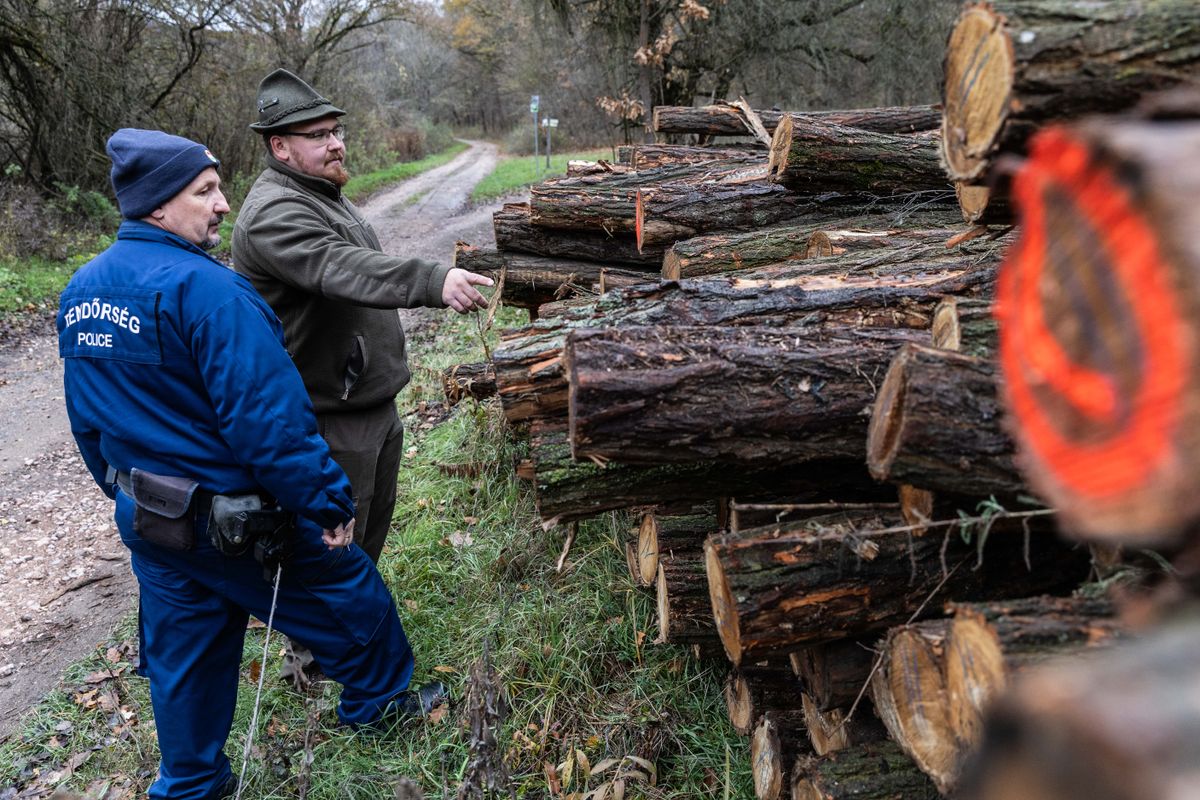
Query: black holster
[239, 523]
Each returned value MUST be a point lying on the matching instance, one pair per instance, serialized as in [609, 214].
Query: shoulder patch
[103, 322]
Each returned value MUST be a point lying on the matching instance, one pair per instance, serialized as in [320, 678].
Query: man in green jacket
[318, 263]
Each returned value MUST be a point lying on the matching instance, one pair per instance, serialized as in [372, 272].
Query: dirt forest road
[64, 575]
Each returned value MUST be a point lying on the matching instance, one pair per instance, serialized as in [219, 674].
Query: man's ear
[279, 148]
[158, 213]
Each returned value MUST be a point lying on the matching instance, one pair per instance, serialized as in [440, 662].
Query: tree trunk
[1097, 310]
[652, 156]
[989, 642]
[753, 396]
[684, 614]
[660, 535]
[834, 674]
[936, 425]
[530, 281]
[832, 730]
[1014, 67]
[729, 120]
[777, 740]
[515, 231]
[672, 211]
[809, 156]
[1121, 726]
[569, 490]
[967, 326]
[476, 380]
[531, 382]
[733, 252]
[777, 589]
[874, 771]
[606, 203]
[756, 689]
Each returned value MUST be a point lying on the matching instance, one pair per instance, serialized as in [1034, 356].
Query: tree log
[655, 395]
[874, 771]
[659, 535]
[756, 689]
[777, 740]
[607, 202]
[809, 156]
[476, 380]
[776, 589]
[1013, 67]
[1099, 341]
[531, 382]
[578, 169]
[652, 156]
[730, 252]
[515, 231]
[684, 615]
[833, 730]
[569, 490]
[835, 673]
[530, 281]
[936, 425]
[965, 325]
[1124, 725]
[729, 120]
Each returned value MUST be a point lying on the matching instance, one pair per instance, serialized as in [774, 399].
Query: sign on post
[533, 109]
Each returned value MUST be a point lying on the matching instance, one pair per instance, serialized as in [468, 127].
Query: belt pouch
[163, 514]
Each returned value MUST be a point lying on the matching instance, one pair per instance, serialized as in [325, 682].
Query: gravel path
[64, 575]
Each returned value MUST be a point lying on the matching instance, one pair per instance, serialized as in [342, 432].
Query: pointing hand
[459, 291]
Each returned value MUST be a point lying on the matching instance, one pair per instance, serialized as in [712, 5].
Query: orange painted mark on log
[1031, 356]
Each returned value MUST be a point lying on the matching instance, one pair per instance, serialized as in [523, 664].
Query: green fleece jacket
[318, 264]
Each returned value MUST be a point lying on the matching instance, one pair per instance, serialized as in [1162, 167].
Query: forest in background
[411, 72]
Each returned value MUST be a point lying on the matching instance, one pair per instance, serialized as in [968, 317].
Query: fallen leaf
[411, 605]
[255, 670]
[552, 782]
[437, 715]
[470, 521]
[100, 676]
[444, 668]
[459, 539]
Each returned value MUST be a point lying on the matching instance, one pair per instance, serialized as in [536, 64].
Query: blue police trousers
[194, 609]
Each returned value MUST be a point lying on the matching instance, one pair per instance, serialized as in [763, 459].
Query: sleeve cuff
[437, 281]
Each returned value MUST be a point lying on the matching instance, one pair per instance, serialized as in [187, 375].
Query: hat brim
[306, 115]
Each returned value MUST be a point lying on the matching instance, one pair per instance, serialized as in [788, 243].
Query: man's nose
[222, 205]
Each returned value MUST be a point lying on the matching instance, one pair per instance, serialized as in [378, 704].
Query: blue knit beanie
[151, 167]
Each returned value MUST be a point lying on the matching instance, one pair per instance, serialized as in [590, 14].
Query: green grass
[471, 569]
[32, 284]
[516, 172]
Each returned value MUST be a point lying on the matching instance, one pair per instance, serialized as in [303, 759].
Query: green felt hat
[285, 100]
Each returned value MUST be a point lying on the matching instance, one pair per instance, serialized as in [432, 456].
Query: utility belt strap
[201, 500]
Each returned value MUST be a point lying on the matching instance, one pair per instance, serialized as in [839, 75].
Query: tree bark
[580, 169]
[735, 252]
[809, 156]
[936, 425]
[776, 741]
[729, 120]
[776, 589]
[834, 673]
[606, 203]
[756, 689]
[1014, 67]
[569, 490]
[652, 156]
[1097, 309]
[476, 380]
[530, 281]
[684, 615]
[874, 771]
[515, 231]
[754, 396]
[531, 382]
[660, 535]
[967, 326]
[1118, 727]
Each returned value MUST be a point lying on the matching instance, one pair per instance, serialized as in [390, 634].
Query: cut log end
[827, 730]
[766, 760]
[639, 219]
[723, 604]
[946, 332]
[672, 269]
[739, 703]
[975, 673]
[647, 550]
[979, 78]
[883, 434]
[973, 201]
[664, 606]
[916, 506]
[781, 143]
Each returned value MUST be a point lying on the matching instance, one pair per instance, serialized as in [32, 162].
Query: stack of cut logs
[784, 356]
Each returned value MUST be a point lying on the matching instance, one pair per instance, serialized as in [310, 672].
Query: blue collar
[144, 231]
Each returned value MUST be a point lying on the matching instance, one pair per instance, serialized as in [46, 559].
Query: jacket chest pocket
[356, 365]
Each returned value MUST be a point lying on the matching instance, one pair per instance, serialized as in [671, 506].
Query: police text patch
[104, 322]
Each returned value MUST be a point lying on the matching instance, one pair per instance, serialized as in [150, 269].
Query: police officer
[185, 404]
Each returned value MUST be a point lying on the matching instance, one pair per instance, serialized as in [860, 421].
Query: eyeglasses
[321, 136]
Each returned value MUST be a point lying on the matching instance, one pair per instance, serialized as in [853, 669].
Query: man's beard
[212, 241]
[337, 174]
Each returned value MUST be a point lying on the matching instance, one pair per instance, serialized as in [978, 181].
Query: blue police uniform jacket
[173, 364]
